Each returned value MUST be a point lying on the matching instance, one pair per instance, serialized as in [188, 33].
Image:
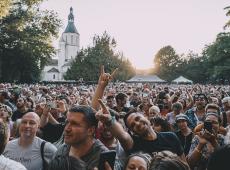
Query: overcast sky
[142, 27]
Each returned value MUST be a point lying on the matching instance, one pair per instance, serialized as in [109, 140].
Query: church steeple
[71, 16]
[71, 27]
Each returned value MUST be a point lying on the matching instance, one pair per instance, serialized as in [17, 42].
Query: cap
[226, 100]
[181, 117]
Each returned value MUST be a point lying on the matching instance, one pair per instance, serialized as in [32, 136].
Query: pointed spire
[71, 16]
[71, 27]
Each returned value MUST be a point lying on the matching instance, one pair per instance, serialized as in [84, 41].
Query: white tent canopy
[145, 79]
[182, 79]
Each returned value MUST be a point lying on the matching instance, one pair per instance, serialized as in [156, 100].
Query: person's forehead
[31, 116]
[211, 117]
[132, 116]
[137, 159]
[181, 120]
[212, 110]
[75, 116]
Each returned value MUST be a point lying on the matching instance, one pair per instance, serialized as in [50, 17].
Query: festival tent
[182, 80]
[145, 79]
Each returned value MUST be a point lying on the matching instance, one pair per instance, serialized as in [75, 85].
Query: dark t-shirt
[165, 141]
[18, 115]
[185, 141]
[52, 132]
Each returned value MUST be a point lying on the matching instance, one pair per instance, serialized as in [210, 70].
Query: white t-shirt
[30, 157]
[8, 164]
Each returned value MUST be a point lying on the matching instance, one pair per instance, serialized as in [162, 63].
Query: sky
[142, 27]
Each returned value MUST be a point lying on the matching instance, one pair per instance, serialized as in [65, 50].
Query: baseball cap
[181, 117]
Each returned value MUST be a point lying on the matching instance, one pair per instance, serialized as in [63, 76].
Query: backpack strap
[224, 119]
[42, 153]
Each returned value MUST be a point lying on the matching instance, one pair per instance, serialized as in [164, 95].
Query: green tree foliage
[218, 58]
[26, 35]
[88, 61]
[194, 67]
[167, 63]
[227, 14]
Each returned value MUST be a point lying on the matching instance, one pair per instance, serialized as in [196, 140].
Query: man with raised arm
[144, 138]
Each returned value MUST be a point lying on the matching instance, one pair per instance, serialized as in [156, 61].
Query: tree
[194, 67]
[218, 58]
[26, 41]
[227, 14]
[166, 63]
[88, 61]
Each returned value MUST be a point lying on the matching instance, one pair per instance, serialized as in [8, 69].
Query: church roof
[67, 64]
[53, 62]
[71, 27]
[53, 70]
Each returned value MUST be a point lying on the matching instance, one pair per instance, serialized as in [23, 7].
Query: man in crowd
[21, 109]
[144, 138]
[121, 100]
[205, 142]
[27, 148]
[184, 133]
[196, 114]
[4, 99]
[80, 145]
[226, 111]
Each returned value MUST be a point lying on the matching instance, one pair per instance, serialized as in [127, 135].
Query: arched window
[53, 76]
[71, 39]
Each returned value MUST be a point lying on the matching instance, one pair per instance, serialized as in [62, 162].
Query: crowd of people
[147, 126]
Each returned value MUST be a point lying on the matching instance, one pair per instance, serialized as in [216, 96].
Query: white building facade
[69, 46]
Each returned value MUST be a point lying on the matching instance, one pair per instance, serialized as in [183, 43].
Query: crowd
[147, 126]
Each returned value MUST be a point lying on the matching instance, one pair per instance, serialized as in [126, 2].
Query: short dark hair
[120, 96]
[109, 97]
[126, 117]
[159, 121]
[88, 112]
[3, 136]
[213, 106]
[5, 94]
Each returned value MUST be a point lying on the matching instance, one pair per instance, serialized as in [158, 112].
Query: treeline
[27, 32]
[212, 66]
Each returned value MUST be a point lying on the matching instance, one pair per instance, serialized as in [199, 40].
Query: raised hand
[105, 77]
[103, 115]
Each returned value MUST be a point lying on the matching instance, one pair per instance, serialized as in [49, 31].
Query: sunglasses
[199, 99]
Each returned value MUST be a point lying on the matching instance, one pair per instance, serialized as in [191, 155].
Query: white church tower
[69, 46]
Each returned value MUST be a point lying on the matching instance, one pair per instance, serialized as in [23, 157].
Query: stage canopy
[182, 80]
[145, 79]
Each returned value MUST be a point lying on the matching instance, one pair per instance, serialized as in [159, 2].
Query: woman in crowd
[140, 161]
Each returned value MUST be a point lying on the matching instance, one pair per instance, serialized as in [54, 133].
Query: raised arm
[47, 117]
[106, 117]
[102, 83]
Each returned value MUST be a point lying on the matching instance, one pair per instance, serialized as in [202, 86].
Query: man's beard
[200, 107]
